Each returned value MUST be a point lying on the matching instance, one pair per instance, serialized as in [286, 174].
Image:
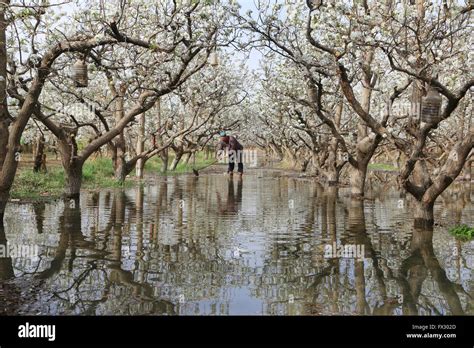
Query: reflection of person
[235, 151]
[233, 200]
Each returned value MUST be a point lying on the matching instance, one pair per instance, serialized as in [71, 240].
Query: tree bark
[140, 146]
[112, 152]
[188, 157]
[40, 156]
[120, 147]
[357, 180]
[4, 195]
[304, 165]
[73, 180]
[164, 155]
[4, 116]
[177, 158]
[120, 166]
[333, 168]
[276, 150]
[365, 144]
[423, 214]
[72, 165]
[332, 177]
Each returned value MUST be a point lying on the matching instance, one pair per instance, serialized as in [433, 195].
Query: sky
[253, 62]
[254, 59]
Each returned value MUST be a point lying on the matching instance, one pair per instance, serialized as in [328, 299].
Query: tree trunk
[188, 157]
[72, 165]
[423, 214]
[333, 177]
[3, 203]
[468, 171]
[140, 145]
[40, 156]
[357, 180]
[165, 159]
[331, 171]
[73, 180]
[316, 167]
[120, 161]
[334, 168]
[304, 165]
[291, 157]
[140, 168]
[4, 117]
[277, 151]
[112, 152]
[365, 142]
[176, 160]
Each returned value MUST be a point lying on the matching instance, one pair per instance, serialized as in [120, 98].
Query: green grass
[100, 166]
[382, 166]
[29, 184]
[155, 165]
[463, 232]
[97, 173]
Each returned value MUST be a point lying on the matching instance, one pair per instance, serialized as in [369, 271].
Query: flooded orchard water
[270, 245]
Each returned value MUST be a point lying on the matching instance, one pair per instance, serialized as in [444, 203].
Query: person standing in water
[235, 153]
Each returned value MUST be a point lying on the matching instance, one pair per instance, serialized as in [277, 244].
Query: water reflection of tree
[455, 199]
[414, 270]
[79, 281]
[6, 267]
[360, 286]
[357, 235]
[295, 269]
[8, 291]
[128, 279]
[146, 247]
[70, 238]
[411, 274]
[39, 209]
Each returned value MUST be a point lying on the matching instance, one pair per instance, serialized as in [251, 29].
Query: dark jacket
[231, 143]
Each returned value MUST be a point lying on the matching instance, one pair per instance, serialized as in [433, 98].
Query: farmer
[235, 151]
